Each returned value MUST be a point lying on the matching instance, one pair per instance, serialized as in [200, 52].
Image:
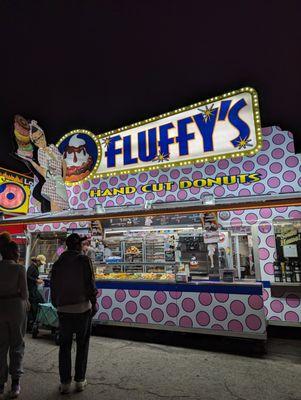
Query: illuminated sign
[221, 127]
[169, 186]
[15, 192]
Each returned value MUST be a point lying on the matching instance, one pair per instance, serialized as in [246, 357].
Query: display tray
[148, 276]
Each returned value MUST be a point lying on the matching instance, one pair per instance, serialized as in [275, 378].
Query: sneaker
[80, 386]
[65, 388]
[15, 390]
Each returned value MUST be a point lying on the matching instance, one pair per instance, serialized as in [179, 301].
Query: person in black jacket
[35, 297]
[73, 293]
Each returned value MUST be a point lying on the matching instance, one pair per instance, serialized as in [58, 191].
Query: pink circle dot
[172, 310]
[143, 177]
[292, 161]
[221, 297]
[210, 170]
[268, 268]
[175, 295]
[223, 164]
[277, 153]
[277, 306]
[113, 181]
[255, 302]
[141, 319]
[120, 200]
[132, 182]
[287, 189]
[91, 203]
[185, 322]
[248, 166]
[265, 295]
[157, 315]
[106, 302]
[117, 314]
[169, 323]
[290, 147]
[127, 319]
[281, 209]
[266, 311]
[270, 241]
[219, 191]
[76, 189]
[278, 139]
[234, 171]
[160, 297]
[46, 228]
[295, 214]
[203, 318]
[238, 212]
[251, 218]
[99, 293]
[163, 178]
[205, 299]
[236, 160]
[145, 302]
[197, 175]
[188, 305]
[120, 295]
[175, 173]
[291, 316]
[217, 327]
[170, 198]
[293, 301]
[265, 212]
[220, 313]
[265, 145]
[237, 307]
[154, 173]
[263, 253]
[253, 322]
[131, 307]
[236, 222]
[134, 293]
[244, 192]
[103, 317]
[289, 176]
[182, 194]
[274, 318]
[273, 182]
[263, 159]
[235, 326]
[74, 201]
[258, 188]
[275, 167]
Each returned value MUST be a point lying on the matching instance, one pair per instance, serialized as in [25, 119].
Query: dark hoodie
[72, 280]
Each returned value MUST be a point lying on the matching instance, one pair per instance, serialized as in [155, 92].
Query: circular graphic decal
[82, 153]
[12, 196]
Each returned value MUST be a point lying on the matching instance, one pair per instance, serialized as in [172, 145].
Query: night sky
[100, 65]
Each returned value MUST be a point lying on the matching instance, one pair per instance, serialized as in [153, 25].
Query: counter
[210, 307]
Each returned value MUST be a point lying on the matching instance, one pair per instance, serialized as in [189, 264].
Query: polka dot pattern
[189, 310]
[279, 171]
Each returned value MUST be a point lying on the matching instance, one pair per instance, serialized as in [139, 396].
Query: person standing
[73, 293]
[33, 281]
[13, 308]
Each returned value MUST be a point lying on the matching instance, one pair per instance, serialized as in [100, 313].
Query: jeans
[12, 343]
[79, 324]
